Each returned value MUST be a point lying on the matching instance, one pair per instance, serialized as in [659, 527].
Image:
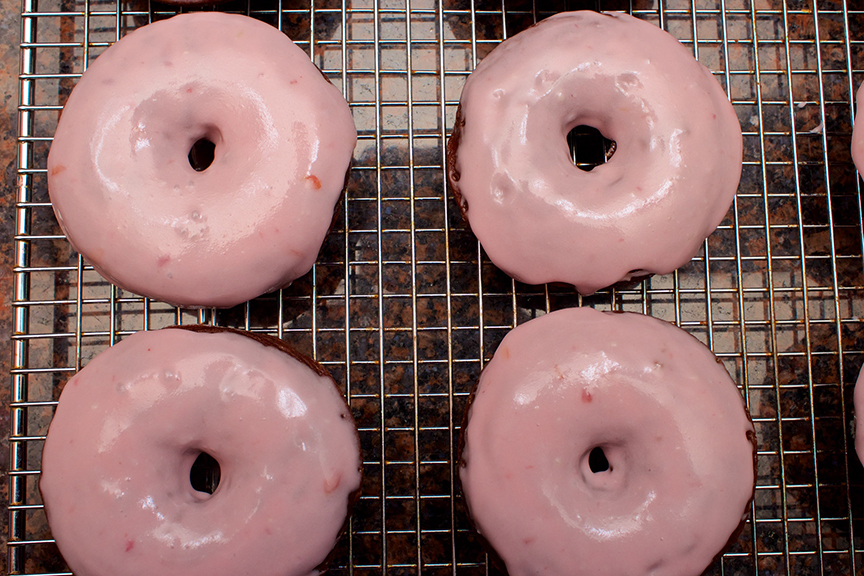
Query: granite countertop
[787, 396]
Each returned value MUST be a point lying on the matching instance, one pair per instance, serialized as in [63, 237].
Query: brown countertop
[779, 290]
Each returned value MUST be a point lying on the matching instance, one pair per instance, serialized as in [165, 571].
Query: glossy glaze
[859, 408]
[647, 210]
[115, 467]
[858, 131]
[124, 190]
[194, 2]
[672, 425]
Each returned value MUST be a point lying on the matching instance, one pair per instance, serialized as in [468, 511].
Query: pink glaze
[858, 131]
[194, 2]
[669, 419]
[129, 200]
[647, 210]
[115, 467]
[859, 406]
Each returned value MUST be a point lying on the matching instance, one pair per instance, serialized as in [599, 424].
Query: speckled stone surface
[404, 308]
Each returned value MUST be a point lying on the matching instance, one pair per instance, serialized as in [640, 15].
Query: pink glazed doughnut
[117, 460]
[858, 401]
[606, 444]
[646, 211]
[858, 131]
[126, 194]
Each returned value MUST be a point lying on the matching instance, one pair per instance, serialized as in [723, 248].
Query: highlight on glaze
[671, 180]
[118, 457]
[122, 180]
[606, 444]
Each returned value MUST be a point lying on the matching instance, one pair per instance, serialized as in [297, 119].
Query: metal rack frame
[404, 308]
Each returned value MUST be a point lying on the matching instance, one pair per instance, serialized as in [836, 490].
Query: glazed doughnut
[647, 210]
[858, 401]
[194, 2]
[858, 131]
[606, 444]
[125, 192]
[128, 427]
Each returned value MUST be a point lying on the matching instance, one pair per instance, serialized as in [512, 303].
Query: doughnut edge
[453, 174]
[462, 463]
[193, 3]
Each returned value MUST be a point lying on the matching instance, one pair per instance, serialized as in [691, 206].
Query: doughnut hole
[597, 461]
[603, 467]
[589, 148]
[205, 474]
[201, 154]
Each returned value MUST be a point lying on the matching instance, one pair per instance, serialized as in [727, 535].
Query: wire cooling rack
[404, 308]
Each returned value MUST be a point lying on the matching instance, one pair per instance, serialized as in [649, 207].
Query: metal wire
[405, 309]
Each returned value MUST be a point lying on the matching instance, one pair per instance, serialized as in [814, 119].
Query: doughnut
[858, 401]
[193, 2]
[858, 132]
[120, 169]
[670, 182]
[612, 442]
[117, 461]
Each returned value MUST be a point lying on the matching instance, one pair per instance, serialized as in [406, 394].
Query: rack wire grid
[404, 307]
